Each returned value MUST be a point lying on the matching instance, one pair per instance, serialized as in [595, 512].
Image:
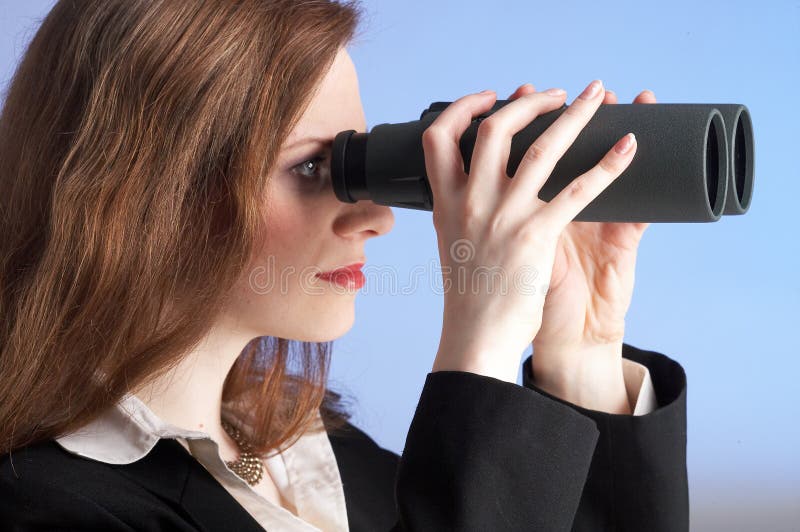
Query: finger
[562, 209]
[542, 156]
[522, 90]
[443, 161]
[646, 96]
[493, 140]
[610, 98]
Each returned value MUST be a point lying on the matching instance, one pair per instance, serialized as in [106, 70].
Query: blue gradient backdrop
[722, 298]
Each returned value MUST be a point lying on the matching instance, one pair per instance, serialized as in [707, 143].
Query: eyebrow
[309, 140]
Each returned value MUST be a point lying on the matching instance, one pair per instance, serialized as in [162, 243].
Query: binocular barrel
[694, 162]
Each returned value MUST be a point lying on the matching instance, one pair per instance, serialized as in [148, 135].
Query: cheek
[293, 227]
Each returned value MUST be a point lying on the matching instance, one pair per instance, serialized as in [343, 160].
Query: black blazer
[481, 455]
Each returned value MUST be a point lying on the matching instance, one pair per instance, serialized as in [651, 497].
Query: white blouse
[306, 473]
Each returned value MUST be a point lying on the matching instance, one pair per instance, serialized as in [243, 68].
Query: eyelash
[317, 160]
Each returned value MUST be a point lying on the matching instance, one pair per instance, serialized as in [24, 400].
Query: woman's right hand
[497, 239]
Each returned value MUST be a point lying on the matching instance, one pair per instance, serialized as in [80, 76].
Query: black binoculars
[694, 162]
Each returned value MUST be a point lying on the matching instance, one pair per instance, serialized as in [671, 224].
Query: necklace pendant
[248, 466]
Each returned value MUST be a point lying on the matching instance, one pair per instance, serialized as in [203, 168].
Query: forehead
[336, 105]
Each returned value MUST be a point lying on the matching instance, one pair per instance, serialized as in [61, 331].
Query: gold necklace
[248, 466]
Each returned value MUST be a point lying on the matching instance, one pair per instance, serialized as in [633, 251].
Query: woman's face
[307, 230]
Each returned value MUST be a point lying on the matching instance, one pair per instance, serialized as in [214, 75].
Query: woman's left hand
[578, 349]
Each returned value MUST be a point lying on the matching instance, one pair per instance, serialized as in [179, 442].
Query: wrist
[587, 376]
[492, 360]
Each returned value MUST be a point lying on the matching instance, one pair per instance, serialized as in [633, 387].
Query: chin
[322, 335]
[325, 328]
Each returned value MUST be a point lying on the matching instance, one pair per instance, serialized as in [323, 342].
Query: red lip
[350, 268]
[350, 277]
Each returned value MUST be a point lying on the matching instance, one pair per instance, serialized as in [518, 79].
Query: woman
[160, 182]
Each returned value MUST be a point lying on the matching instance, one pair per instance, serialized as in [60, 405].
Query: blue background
[721, 298]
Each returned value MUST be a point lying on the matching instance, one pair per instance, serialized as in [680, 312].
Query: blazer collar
[139, 445]
[132, 439]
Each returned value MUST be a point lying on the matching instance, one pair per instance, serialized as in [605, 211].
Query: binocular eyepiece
[694, 162]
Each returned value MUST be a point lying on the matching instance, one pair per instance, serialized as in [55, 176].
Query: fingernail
[487, 91]
[555, 92]
[625, 144]
[592, 90]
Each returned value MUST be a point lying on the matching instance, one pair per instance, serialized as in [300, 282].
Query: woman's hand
[489, 225]
[578, 349]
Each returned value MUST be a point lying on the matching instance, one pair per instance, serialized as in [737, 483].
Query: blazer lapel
[174, 474]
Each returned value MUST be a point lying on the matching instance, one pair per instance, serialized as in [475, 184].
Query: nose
[364, 218]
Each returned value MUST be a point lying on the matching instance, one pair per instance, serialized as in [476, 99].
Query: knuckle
[609, 166]
[470, 213]
[574, 111]
[489, 127]
[431, 136]
[537, 152]
[577, 188]
[534, 233]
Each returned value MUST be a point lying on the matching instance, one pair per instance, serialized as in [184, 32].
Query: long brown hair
[136, 139]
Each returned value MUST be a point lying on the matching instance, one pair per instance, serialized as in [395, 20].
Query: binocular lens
[713, 166]
[743, 162]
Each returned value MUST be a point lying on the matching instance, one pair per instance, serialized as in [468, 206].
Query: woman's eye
[311, 167]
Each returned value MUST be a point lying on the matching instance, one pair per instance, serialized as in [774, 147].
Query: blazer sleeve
[485, 454]
[638, 477]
